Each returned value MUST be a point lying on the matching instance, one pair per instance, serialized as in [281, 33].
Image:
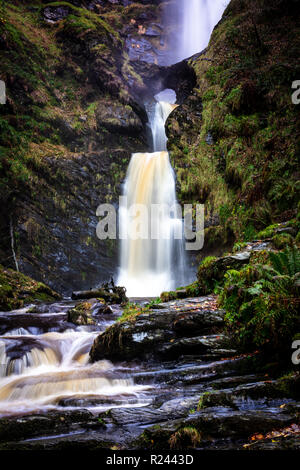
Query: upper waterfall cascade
[196, 20]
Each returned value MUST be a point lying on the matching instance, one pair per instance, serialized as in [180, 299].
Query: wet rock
[140, 49]
[212, 345]
[116, 117]
[29, 426]
[55, 13]
[145, 415]
[212, 399]
[161, 333]
[280, 443]
[30, 323]
[153, 31]
[218, 422]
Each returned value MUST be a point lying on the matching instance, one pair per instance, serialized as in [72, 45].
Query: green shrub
[261, 301]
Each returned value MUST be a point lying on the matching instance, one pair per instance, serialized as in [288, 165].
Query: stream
[44, 364]
[52, 396]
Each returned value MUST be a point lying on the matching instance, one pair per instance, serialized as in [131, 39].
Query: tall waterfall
[148, 259]
[196, 20]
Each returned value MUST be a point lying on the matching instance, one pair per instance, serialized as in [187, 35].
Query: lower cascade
[153, 244]
[51, 371]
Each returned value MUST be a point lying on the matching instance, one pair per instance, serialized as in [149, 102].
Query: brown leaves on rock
[292, 430]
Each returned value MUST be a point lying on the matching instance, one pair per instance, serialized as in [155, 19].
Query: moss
[81, 314]
[288, 385]
[211, 399]
[253, 153]
[17, 290]
[168, 296]
[281, 240]
[132, 311]
[268, 232]
[207, 275]
[238, 246]
[81, 20]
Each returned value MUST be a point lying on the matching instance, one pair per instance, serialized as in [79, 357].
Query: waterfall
[195, 20]
[162, 111]
[148, 259]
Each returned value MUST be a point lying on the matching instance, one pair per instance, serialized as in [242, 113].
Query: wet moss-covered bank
[17, 290]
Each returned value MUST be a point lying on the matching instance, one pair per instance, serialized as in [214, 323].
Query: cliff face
[235, 141]
[72, 119]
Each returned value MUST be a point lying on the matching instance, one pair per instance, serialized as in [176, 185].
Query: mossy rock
[281, 240]
[267, 232]
[81, 314]
[17, 290]
[168, 296]
[210, 399]
[116, 117]
[191, 290]
[212, 270]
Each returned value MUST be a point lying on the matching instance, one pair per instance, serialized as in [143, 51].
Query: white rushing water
[195, 20]
[155, 245]
[52, 371]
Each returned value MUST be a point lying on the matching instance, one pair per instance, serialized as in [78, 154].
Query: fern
[287, 261]
[293, 255]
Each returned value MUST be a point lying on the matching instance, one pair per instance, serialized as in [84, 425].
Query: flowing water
[152, 264]
[154, 245]
[195, 20]
[51, 370]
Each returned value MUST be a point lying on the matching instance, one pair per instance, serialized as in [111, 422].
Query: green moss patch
[17, 290]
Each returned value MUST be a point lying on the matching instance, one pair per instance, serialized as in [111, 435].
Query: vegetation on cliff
[235, 141]
[59, 157]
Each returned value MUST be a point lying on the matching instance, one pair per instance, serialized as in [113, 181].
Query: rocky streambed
[167, 378]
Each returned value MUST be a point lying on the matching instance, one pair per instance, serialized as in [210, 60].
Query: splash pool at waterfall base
[160, 379]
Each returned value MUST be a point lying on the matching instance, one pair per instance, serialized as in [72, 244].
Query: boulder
[81, 314]
[166, 332]
[53, 14]
[212, 271]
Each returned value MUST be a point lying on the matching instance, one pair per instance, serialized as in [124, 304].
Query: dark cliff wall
[72, 119]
